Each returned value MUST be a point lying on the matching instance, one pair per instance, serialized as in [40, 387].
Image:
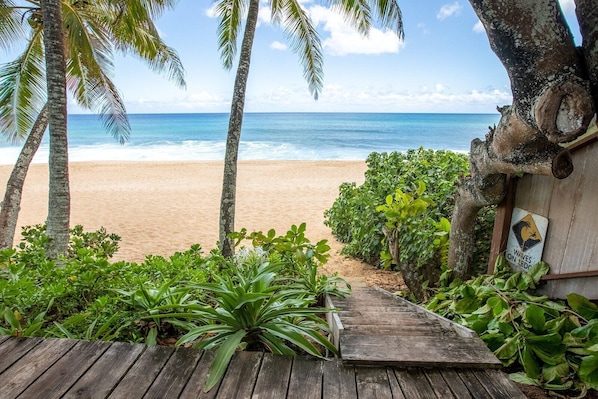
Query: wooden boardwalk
[61, 368]
[376, 327]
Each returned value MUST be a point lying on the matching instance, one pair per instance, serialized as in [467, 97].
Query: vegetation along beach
[319, 146]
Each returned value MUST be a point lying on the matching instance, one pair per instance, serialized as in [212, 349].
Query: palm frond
[22, 90]
[356, 12]
[230, 13]
[390, 16]
[132, 30]
[11, 28]
[305, 41]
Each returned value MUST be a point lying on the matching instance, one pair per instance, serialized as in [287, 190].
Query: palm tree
[91, 29]
[305, 41]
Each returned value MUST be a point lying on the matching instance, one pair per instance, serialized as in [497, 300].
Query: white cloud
[344, 39]
[449, 10]
[276, 45]
[567, 5]
[421, 26]
[440, 87]
[479, 27]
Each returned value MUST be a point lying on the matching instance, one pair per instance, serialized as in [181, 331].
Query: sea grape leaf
[494, 340]
[537, 271]
[508, 349]
[556, 372]
[583, 306]
[530, 363]
[534, 315]
[590, 330]
[588, 371]
[523, 379]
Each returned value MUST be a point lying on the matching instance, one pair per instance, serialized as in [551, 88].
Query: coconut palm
[305, 42]
[93, 30]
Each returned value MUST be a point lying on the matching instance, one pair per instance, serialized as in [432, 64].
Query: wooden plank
[502, 382]
[338, 380]
[560, 215]
[306, 379]
[582, 240]
[438, 384]
[66, 371]
[15, 348]
[174, 375]
[372, 382]
[534, 193]
[560, 288]
[29, 367]
[420, 330]
[239, 380]
[143, 373]
[473, 385]
[395, 387]
[414, 384]
[417, 351]
[197, 382]
[273, 378]
[3, 338]
[458, 388]
[106, 372]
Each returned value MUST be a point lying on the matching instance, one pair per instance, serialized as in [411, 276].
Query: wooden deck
[62, 368]
[376, 327]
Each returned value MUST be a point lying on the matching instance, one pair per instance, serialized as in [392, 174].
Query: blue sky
[444, 64]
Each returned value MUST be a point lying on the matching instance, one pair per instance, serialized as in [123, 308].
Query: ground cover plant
[356, 219]
[264, 296]
[546, 343]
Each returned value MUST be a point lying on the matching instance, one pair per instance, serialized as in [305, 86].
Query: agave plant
[251, 310]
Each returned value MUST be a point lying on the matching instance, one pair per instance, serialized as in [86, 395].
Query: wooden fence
[571, 206]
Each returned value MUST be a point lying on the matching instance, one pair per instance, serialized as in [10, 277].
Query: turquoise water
[267, 136]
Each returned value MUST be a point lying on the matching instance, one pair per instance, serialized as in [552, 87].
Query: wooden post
[502, 221]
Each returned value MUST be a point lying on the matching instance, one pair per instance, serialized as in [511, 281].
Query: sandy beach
[163, 207]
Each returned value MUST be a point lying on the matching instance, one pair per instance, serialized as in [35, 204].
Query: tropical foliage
[357, 219]
[264, 298]
[555, 343]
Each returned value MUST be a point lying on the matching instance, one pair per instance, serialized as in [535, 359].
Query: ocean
[266, 136]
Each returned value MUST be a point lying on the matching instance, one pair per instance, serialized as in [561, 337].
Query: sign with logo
[526, 239]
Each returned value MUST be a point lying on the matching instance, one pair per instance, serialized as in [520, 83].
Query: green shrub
[555, 343]
[355, 221]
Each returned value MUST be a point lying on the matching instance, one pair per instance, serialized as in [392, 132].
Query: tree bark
[587, 16]
[551, 104]
[233, 138]
[11, 205]
[59, 192]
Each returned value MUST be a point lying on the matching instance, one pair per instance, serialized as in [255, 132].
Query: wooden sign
[526, 239]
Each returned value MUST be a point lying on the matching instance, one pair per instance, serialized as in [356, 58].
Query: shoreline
[162, 207]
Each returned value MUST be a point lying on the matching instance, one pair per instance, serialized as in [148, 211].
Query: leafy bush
[354, 219]
[253, 306]
[555, 343]
[269, 292]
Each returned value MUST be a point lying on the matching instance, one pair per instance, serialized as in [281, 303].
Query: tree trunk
[587, 16]
[233, 138]
[59, 193]
[415, 278]
[551, 104]
[9, 211]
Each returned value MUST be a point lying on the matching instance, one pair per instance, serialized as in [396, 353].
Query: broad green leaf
[537, 271]
[530, 363]
[523, 379]
[556, 372]
[588, 371]
[534, 315]
[508, 349]
[152, 336]
[583, 306]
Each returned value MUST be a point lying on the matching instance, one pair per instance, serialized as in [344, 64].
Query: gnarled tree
[555, 95]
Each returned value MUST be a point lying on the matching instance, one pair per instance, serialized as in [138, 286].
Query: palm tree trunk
[59, 192]
[9, 212]
[229, 182]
